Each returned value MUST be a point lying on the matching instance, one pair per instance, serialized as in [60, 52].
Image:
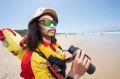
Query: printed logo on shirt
[44, 64]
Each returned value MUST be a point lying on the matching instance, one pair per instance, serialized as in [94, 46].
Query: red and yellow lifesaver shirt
[35, 67]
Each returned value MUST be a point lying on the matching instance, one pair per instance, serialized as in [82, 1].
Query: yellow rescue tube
[12, 42]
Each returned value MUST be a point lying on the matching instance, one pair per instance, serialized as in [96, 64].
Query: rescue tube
[11, 40]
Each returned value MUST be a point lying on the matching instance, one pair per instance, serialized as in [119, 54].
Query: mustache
[52, 29]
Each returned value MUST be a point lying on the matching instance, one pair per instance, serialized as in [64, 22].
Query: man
[44, 58]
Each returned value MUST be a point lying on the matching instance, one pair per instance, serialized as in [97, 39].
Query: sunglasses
[48, 23]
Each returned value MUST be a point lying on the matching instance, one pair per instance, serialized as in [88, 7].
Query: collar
[45, 43]
[52, 46]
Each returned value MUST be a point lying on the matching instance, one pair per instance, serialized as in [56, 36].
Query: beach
[103, 48]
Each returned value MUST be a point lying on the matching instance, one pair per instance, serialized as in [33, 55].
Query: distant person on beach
[44, 58]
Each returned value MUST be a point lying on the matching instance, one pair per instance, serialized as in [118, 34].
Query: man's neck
[47, 39]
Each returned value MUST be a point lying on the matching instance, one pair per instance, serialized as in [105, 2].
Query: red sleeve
[26, 71]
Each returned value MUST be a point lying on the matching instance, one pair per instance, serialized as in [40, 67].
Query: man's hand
[79, 65]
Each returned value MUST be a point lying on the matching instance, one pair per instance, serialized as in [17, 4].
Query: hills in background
[112, 29]
[24, 32]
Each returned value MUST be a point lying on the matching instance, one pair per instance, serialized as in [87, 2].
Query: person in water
[44, 58]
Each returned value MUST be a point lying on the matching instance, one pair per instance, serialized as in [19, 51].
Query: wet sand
[104, 49]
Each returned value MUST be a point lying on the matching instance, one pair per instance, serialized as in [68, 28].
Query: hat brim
[46, 11]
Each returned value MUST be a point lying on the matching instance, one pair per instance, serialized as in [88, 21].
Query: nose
[52, 25]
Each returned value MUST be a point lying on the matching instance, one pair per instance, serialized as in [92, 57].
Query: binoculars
[73, 50]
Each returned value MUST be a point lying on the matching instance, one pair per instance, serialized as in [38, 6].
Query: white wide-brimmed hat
[41, 11]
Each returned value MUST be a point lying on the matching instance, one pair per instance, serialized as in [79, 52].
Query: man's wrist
[70, 75]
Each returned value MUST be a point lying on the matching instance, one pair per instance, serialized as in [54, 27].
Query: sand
[104, 49]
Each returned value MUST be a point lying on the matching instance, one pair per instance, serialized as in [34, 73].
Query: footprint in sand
[5, 76]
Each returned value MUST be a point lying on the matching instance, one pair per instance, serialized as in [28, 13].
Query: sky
[75, 16]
